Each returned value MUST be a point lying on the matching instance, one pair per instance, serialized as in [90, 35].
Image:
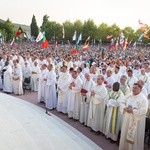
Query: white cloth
[42, 86]
[63, 84]
[131, 81]
[17, 80]
[97, 108]
[123, 69]
[85, 70]
[94, 77]
[26, 71]
[50, 90]
[84, 110]
[74, 99]
[34, 77]
[145, 78]
[110, 81]
[8, 79]
[116, 76]
[113, 102]
[125, 89]
[81, 75]
[0, 77]
[139, 104]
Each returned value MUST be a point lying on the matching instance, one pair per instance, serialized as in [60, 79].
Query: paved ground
[98, 139]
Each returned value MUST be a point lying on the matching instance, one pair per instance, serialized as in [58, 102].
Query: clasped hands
[72, 84]
[92, 93]
[128, 110]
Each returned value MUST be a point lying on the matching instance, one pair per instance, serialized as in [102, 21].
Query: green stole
[123, 88]
[114, 95]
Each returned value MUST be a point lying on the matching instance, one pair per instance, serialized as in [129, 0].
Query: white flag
[12, 42]
[74, 36]
[79, 38]
[39, 37]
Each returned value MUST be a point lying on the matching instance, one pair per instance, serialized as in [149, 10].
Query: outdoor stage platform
[25, 126]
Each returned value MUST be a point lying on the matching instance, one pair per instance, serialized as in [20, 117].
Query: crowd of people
[109, 93]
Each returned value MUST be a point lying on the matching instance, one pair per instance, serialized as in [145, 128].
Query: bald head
[87, 76]
[100, 79]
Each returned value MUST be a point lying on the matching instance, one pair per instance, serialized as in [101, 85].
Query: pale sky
[122, 12]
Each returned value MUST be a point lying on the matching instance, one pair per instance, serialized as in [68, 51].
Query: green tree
[114, 30]
[69, 30]
[102, 32]
[129, 33]
[34, 28]
[8, 30]
[78, 26]
[89, 29]
[53, 31]
[45, 21]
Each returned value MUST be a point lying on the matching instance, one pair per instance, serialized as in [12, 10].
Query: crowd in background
[109, 92]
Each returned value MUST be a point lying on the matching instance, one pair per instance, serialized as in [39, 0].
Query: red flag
[19, 32]
[45, 44]
[85, 47]
[73, 51]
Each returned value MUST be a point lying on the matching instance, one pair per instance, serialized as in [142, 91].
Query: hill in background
[25, 28]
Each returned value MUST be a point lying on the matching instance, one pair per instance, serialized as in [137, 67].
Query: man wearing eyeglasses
[134, 109]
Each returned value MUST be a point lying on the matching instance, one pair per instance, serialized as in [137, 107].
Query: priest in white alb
[113, 118]
[7, 87]
[42, 84]
[50, 88]
[86, 88]
[134, 108]
[35, 72]
[97, 105]
[74, 96]
[63, 87]
[17, 79]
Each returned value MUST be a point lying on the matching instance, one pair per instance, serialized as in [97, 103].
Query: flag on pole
[86, 44]
[25, 35]
[12, 42]
[85, 47]
[73, 51]
[39, 37]
[134, 45]
[87, 40]
[79, 38]
[146, 36]
[143, 26]
[140, 37]
[19, 32]
[125, 44]
[74, 36]
[63, 32]
[109, 36]
[44, 42]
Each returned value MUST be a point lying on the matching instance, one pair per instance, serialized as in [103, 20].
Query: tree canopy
[7, 29]
[34, 28]
[54, 30]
